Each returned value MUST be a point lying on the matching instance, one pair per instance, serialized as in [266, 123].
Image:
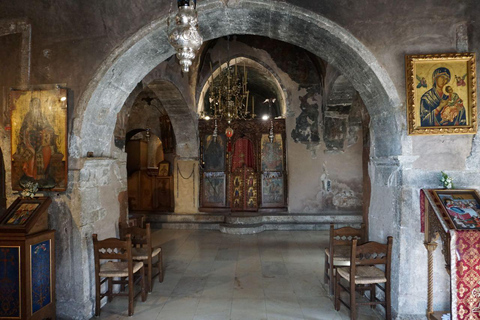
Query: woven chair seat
[364, 274]
[341, 256]
[142, 253]
[118, 269]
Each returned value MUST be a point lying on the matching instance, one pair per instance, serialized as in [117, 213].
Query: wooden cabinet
[27, 261]
[163, 194]
[150, 193]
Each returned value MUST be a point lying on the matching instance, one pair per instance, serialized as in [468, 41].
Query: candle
[253, 105]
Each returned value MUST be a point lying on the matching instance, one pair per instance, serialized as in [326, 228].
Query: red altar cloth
[465, 274]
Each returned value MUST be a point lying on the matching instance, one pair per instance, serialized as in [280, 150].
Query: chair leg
[110, 289]
[325, 269]
[337, 292]
[122, 285]
[373, 295]
[332, 279]
[149, 275]
[388, 302]
[97, 296]
[130, 295]
[144, 292]
[353, 303]
[160, 266]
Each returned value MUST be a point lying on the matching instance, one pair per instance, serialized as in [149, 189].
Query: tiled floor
[215, 276]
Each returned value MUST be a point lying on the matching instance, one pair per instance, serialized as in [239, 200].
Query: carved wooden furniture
[261, 185]
[121, 267]
[147, 190]
[338, 252]
[364, 275]
[27, 261]
[150, 193]
[143, 250]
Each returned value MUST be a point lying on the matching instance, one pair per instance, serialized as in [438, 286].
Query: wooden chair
[364, 275]
[138, 221]
[123, 267]
[143, 250]
[338, 252]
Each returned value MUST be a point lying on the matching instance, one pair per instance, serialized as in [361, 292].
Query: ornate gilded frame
[419, 70]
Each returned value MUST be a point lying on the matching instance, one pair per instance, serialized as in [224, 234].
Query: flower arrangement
[29, 190]
[446, 181]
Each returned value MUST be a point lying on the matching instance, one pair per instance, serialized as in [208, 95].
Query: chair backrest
[137, 222]
[112, 249]
[372, 253]
[344, 236]
[140, 237]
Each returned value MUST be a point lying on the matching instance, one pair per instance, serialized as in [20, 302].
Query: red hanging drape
[243, 154]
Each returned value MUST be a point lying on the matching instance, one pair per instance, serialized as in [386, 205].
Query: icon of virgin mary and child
[441, 106]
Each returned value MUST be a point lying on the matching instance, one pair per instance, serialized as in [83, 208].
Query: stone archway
[122, 71]
[181, 117]
[141, 53]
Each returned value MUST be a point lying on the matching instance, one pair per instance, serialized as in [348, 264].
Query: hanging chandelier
[229, 95]
[184, 36]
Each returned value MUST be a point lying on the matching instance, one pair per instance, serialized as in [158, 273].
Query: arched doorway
[122, 71]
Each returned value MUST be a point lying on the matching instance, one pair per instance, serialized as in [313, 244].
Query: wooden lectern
[27, 261]
[454, 217]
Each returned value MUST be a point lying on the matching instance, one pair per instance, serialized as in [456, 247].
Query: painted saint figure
[453, 114]
[435, 100]
[36, 147]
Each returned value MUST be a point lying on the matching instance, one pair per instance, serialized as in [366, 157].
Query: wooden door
[243, 189]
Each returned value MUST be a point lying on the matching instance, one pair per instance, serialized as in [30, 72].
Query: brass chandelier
[229, 95]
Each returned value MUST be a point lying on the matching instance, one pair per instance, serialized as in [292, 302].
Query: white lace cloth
[446, 317]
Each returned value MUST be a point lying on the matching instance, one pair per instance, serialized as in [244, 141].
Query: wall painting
[39, 138]
[441, 94]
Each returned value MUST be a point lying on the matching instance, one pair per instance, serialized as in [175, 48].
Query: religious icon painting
[39, 138]
[461, 206]
[272, 153]
[441, 94]
[214, 189]
[214, 153]
[22, 211]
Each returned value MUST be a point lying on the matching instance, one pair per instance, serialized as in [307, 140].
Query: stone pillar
[90, 205]
[186, 186]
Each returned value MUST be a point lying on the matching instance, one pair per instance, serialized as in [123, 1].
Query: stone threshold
[252, 223]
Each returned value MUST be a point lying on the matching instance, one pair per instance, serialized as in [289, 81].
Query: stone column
[186, 186]
[90, 205]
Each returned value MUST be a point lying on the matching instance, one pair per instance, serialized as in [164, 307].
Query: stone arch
[102, 178]
[181, 116]
[249, 62]
[132, 61]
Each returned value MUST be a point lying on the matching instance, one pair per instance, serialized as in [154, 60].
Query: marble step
[242, 229]
[251, 223]
[185, 225]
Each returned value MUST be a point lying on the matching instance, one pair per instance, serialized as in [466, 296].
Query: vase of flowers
[446, 181]
[29, 190]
